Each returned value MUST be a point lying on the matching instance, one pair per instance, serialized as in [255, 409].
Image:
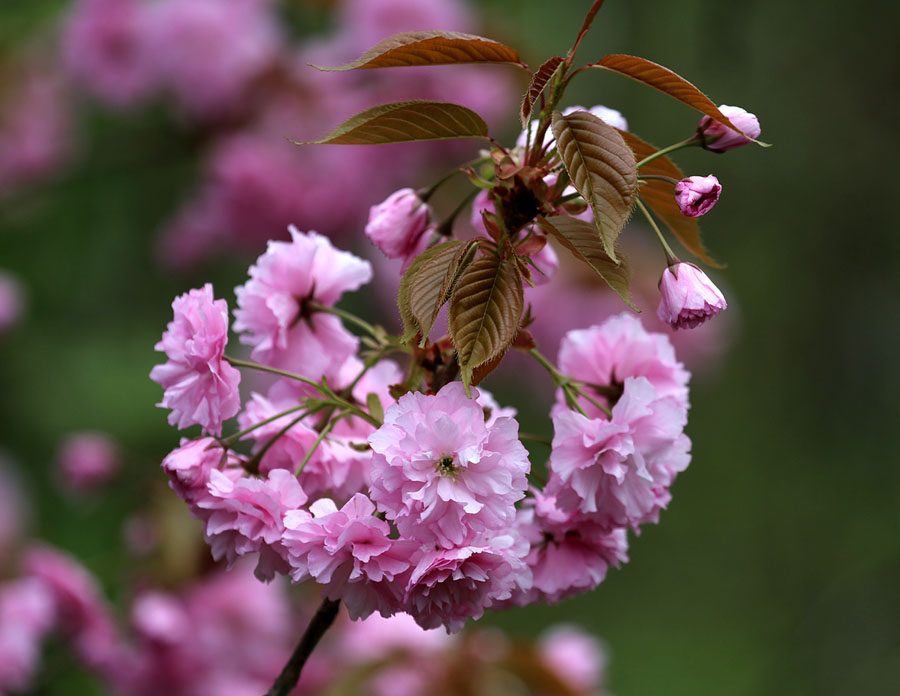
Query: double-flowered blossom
[399, 225]
[569, 552]
[696, 195]
[441, 474]
[687, 297]
[201, 387]
[448, 586]
[190, 465]
[718, 137]
[272, 305]
[620, 347]
[26, 615]
[619, 470]
[246, 515]
[349, 550]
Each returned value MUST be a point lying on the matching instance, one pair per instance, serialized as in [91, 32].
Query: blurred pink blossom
[86, 461]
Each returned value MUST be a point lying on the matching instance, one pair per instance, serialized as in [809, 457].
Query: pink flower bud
[687, 297]
[397, 225]
[696, 195]
[718, 137]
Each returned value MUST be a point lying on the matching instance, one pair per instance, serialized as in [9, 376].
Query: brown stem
[320, 623]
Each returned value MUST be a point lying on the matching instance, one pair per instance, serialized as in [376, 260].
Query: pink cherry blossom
[350, 552]
[26, 614]
[206, 52]
[189, 467]
[718, 137]
[398, 225]
[79, 609]
[619, 470]
[688, 297]
[201, 387]
[440, 473]
[570, 553]
[87, 460]
[696, 195]
[451, 585]
[271, 305]
[35, 130]
[246, 516]
[107, 50]
[618, 348]
[577, 657]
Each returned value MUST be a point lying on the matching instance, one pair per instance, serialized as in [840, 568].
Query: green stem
[690, 142]
[555, 374]
[231, 439]
[315, 445]
[587, 397]
[349, 317]
[670, 255]
[254, 462]
[657, 177]
[429, 192]
[446, 228]
[237, 362]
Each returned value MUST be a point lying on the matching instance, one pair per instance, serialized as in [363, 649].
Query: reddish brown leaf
[664, 80]
[415, 48]
[485, 310]
[660, 198]
[539, 82]
[402, 122]
[601, 167]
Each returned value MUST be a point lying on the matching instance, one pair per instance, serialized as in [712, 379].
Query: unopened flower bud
[718, 137]
[696, 195]
[687, 297]
[397, 225]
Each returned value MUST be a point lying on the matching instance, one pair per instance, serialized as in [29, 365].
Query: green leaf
[664, 80]
[414, 48]
[660, 198]
[581, 239]
[429, 286]
[485, 310]
[539, 81]
[403, 122]
[602, 168]
[376, 410]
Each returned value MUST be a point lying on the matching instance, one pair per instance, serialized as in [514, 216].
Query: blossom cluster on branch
[371, 463]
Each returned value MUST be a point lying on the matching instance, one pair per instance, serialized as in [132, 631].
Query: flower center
[446, 467]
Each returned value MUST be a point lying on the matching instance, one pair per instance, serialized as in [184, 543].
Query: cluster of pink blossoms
[407, 501]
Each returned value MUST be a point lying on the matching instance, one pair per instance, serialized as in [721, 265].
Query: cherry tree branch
[320, 622]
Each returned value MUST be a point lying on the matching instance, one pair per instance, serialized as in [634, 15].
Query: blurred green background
[776, 569]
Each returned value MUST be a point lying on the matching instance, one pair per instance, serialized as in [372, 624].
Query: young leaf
[602, 168]
[402, 122]
[539, 81]
[660, 198]
[664, 80]
[376, 410]
[581, 239]
[485, 310]
[433, 282]
[414, 48]
[411, 324]
[585, 28]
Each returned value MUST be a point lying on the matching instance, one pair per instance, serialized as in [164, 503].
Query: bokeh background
[776, 569]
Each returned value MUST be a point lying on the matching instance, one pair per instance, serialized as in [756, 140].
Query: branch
[320, 623]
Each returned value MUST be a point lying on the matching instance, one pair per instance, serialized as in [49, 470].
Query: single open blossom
[619, 470]
[570, 552]
[440, 473]
[271, 305]
[606, 354]
[246, 516]
[201, 386]
[399, 225]
[696, 195]
[451, 585]
[350, 552]
[688, 297]
[718, 137]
